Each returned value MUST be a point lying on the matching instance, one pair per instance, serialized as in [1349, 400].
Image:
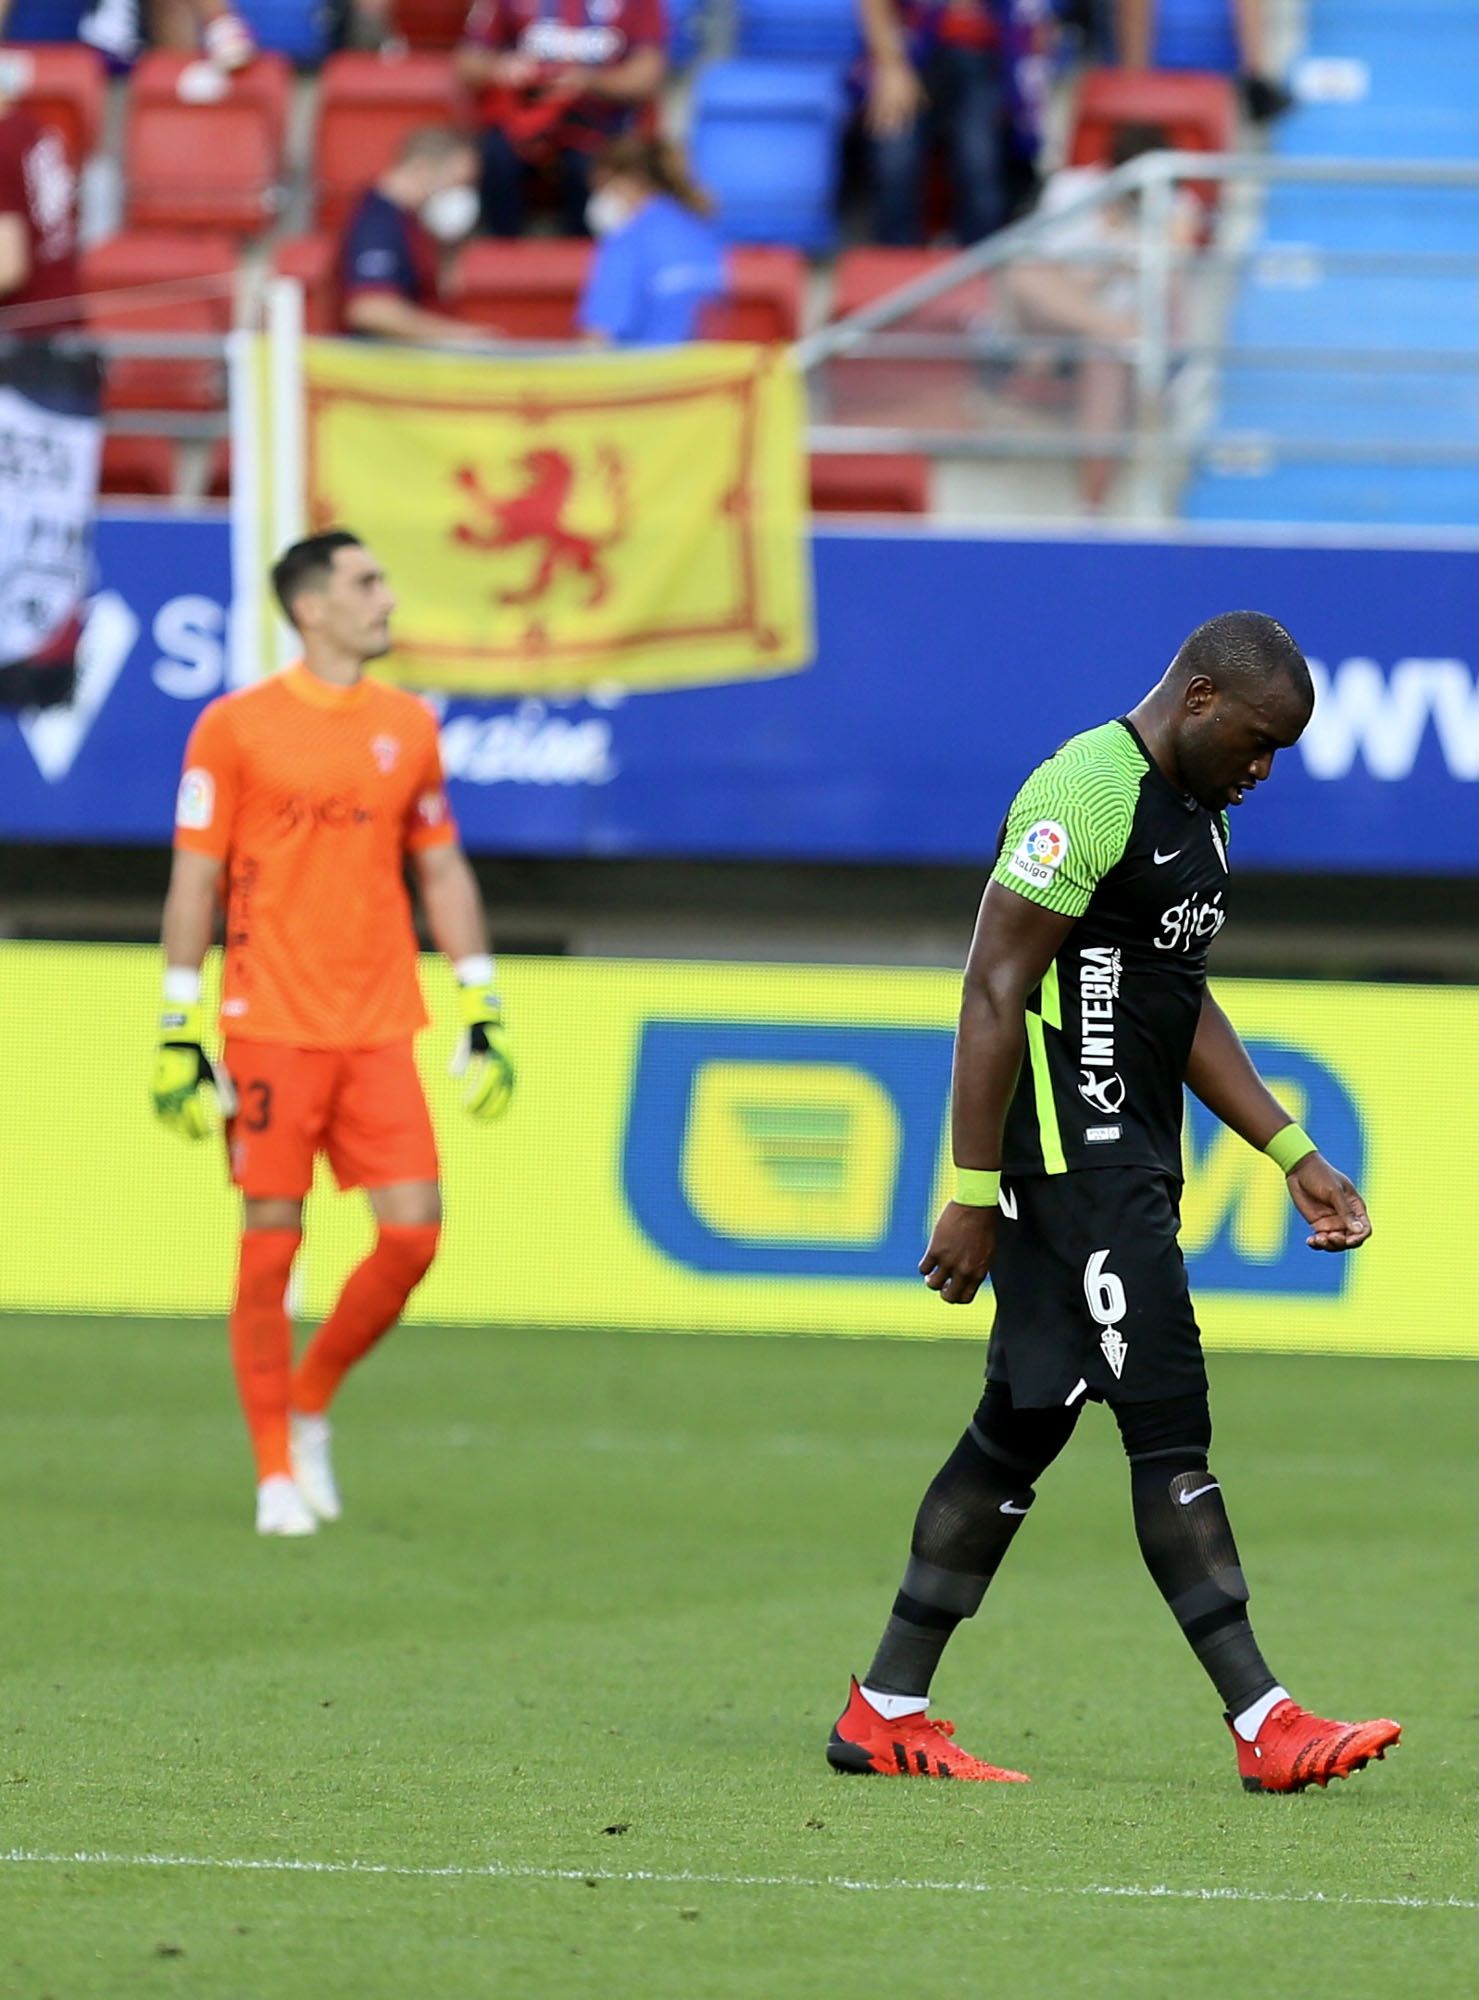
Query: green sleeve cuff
[978, 1187]
[1289, 1146]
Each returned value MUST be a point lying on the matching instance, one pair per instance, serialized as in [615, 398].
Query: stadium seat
[875, 390]
[44, 20]
[527, 290]
[763, 299]
[297, 29]
[311, 260]
[1200, 113]
[143, 466]
[218, 471]
[192, 280]
[799, 30]
[766, 141]
[869, 483]
[366, 106]
[688, 22]
[65, 89]
[1196, 34]
[430, 24]
[215, 165]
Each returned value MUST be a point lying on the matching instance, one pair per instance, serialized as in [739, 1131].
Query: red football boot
[912, 1746]
[1294, 1749]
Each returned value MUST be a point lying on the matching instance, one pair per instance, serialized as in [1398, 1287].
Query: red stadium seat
[527, 290]
[366, 106]
[869, 483]
[192, 282]
[864, 276]
[431, 24]
[64, 88]
[931, 393]
[311, 260]
[218, 473]
[214, 165]
[143, 466]
[1199, 113]
[763, 303]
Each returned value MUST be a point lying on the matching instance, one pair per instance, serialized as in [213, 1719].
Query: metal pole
[1150, 490]
[288, 471]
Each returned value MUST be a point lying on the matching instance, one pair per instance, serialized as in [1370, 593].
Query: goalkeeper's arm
[454, 915]
[191, 1095]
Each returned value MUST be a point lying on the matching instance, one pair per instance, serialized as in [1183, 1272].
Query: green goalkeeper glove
[192, 1096]
[481, 1059]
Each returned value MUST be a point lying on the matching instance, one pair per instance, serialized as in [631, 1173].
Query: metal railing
[1172, 362]
[1166, 433]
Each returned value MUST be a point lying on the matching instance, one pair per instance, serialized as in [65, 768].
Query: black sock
[965, 1525]
[1189, 1549]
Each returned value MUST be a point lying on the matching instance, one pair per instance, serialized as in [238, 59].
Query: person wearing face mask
[389, 264]
[658, 260]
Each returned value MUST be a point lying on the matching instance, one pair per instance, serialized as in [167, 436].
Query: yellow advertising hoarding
[739, 1148]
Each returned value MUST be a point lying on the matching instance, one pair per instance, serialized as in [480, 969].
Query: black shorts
[1091, 1291]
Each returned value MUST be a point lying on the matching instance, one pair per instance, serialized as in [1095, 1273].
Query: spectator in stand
[658, 259]
[1084, 287]
[556, 80]
[1263, 96]
[968, 75]
[390, 257]
[38, 217]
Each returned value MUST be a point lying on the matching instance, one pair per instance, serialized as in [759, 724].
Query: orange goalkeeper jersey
[313, 795]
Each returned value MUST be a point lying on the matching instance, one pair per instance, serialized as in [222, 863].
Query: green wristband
[1289, 1146]
[978, 1187]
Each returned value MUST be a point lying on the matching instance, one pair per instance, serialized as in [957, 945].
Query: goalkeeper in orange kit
[302, 798]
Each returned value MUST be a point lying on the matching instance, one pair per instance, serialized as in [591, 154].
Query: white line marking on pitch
[510, 1871]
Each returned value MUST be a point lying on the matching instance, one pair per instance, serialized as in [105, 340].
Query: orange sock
[262, 1342]
[371, 1302]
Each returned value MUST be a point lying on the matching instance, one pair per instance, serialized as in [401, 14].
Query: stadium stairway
[1415, 101]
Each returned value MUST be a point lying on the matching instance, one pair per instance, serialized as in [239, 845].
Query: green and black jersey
[1099, 833]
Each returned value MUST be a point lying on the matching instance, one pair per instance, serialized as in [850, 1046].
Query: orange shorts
[364, 1108]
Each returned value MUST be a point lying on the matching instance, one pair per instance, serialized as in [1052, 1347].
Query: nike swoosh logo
[1008, 1508]
[1162, 859]
[1007, 1202]
[1187, 1498]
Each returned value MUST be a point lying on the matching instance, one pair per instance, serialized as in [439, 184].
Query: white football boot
[282, 1510]
[313, 1469]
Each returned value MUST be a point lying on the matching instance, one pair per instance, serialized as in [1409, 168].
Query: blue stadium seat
[687, 23]
[43, 21]
[1196, 34]
[766, 142]
[297, 29]
[799, 30]
[1419, 103]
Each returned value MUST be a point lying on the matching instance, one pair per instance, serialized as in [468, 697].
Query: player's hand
[960, 1252]
[1330, 1205]
[192, 1095]
[481, 1058]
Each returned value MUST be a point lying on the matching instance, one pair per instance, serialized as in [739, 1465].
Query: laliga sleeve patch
[1040, 853]
[195, 804]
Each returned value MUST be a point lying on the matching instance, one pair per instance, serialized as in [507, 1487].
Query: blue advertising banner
[946, 667]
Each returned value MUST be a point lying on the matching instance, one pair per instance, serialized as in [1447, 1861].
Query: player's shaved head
[1238, 691]
[1245, 652]
[307, 565]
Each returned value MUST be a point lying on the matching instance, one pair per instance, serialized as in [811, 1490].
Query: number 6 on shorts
[1106, 1301]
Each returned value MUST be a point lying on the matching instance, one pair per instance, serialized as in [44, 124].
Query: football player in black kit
[1085, 1013]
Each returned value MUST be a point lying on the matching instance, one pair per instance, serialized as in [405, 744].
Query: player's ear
[1198, 694]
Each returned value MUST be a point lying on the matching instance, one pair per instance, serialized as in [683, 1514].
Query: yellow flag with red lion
[550, 524]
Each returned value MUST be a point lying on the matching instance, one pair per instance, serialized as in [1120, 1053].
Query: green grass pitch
[544, 1715]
